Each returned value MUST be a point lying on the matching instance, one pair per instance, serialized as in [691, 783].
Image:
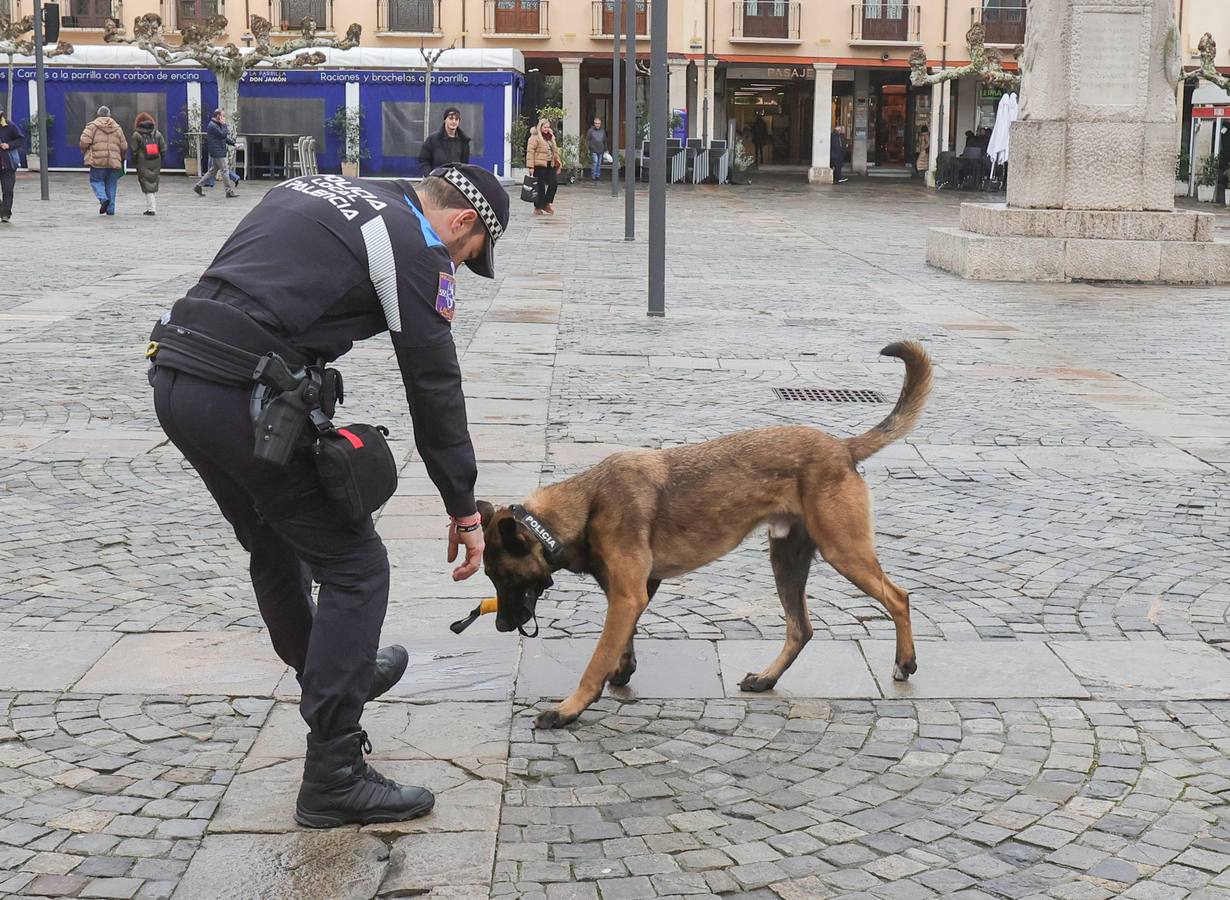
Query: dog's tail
[901, 421]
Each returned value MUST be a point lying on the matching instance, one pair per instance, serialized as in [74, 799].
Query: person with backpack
[148, 148]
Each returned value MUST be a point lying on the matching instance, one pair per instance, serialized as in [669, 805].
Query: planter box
[1180, 188]
[192, 167]
[350, 169]
[1204, 193]
[33, 163]
[518, 173]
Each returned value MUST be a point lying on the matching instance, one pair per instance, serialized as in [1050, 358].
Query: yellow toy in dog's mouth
[490, 605]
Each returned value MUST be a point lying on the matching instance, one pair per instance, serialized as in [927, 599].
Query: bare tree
[12, 44]
[430, 58]
[1208, 71]
[228, 62]
[985, 63]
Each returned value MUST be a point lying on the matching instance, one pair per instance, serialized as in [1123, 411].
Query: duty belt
[288, 391]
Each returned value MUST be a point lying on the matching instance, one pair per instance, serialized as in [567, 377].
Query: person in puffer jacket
[104, 147]
[149, 148]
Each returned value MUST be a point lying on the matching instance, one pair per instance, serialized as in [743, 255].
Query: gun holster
[283, 403]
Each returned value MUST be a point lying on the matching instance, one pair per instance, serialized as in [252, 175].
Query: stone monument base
[1000, 243]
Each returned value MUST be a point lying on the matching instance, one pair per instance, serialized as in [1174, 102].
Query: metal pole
[630, 121]
[41, 124]
[704, 102]
[659, 122]
[612, 126]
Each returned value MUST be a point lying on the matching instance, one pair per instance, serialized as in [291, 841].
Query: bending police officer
[321, 262]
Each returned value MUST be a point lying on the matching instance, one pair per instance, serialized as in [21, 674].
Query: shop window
[81, 108]
[401, 125]
[283, 115]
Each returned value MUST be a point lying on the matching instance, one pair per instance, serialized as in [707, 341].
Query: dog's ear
[514, 541]
[486, 511]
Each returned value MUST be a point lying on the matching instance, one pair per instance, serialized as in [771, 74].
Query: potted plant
[34, 155]
[189, 120]
[741, 162]
[1182, 174]
[347, 126]
[1206, 179]
[517, 139]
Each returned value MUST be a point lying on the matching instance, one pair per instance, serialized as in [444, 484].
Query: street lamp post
[41, 123]
[612, 125]
[659, 122]
[630, 120]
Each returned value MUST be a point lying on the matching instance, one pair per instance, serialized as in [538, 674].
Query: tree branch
[986, 64]
[1208, 71]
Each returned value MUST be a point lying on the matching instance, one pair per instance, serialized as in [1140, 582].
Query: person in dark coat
[217, 141]
[148, 148]
[448, 145]
[760, 136]
[12, 141]
[837, 153]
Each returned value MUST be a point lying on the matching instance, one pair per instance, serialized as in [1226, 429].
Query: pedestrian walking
[543, 157]
[837, 153]
[11, 143]
[760, 136]
[218, 142]
[321, 262]
[149, 148]
[448, 145]
[104, 148]
[596, 141]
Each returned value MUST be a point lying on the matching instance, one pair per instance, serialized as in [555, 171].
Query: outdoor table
[282, 142]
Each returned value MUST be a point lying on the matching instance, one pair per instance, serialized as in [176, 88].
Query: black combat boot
[340, 788]
[390, 667]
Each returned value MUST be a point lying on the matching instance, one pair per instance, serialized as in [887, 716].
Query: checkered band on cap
[476, 198]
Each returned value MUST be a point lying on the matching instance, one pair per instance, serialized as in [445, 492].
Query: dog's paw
[903, 671]
[756, 683]
[552, 718]
[622, 677]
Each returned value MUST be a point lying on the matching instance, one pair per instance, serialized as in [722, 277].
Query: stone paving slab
[975, 670]
[337, 864]
[824, 669]
[45, 661]
[552, 669]
[232, 664]
[1149, 670]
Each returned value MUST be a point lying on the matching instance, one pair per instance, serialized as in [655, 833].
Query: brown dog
[642, 516]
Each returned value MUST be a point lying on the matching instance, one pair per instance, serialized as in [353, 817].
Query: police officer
[321, 262]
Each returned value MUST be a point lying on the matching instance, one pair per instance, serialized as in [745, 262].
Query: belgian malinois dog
[641, 516]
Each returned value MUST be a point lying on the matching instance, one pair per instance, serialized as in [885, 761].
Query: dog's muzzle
[515, 610]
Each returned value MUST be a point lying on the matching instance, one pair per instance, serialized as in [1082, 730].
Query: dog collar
[551, 545]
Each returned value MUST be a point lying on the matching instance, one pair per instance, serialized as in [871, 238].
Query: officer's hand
[474, 544]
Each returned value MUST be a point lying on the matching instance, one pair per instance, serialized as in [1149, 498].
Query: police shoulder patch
[446, 295]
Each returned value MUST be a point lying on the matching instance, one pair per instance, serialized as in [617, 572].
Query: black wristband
[466, 529]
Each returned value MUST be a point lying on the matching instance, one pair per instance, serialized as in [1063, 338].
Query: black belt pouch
[357, 470]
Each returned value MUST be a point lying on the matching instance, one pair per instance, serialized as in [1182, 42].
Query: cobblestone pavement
[1060, 518]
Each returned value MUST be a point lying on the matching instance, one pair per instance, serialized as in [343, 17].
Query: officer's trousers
[283, 520]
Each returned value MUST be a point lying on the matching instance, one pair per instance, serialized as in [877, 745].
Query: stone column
[677, 84]
[858, 146]
[822, 125]
[572, 96]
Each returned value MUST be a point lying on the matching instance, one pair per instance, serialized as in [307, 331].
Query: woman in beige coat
[104, 147]
[543, 157]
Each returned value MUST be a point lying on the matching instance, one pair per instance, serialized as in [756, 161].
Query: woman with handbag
[543, 157]
[149, 147]
[11, 142]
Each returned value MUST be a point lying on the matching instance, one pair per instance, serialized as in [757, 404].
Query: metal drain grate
[829, 395]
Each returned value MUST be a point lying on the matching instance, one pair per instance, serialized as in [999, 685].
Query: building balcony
[420, 17]
[885, 23]
[185, 13]
[1004, 24]
[90, 13]
[604, 18]
[516, 18]
[766, 21]
[288, 15]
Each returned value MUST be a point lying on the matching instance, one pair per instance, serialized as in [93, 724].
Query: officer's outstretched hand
[474, 544]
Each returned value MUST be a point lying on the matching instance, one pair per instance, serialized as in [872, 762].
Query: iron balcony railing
[527, 17]
[1003, 24]
[885, 21]
[766, 20]
[288, 15]
[195, 12]
[604, 18]
[408, 16]
[90, 13]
